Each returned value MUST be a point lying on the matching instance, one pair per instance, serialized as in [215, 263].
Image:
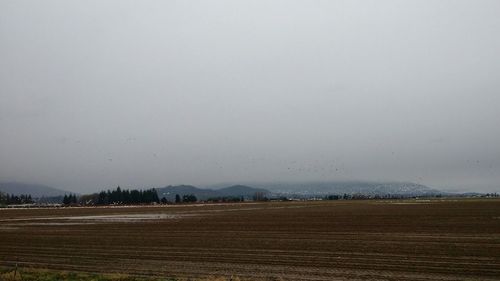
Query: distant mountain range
[35, 190]
[248, 190]
[169, 192]
[349, 187]
[302, 190]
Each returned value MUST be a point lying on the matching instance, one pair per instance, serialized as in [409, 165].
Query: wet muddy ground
[334, 240]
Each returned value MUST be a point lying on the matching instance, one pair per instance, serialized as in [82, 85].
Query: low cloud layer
[96, 94]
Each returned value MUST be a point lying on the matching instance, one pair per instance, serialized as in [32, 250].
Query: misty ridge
[229, 192]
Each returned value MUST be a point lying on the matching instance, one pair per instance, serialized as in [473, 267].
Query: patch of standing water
[126, 217]
[91, 219]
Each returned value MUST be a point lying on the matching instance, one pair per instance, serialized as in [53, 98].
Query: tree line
[70, 199]
[120, 196]
[6, 199]
[186, 198]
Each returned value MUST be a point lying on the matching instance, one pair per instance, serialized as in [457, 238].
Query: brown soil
[334, 240]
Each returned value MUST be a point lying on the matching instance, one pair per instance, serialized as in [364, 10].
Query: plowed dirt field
[321, 240]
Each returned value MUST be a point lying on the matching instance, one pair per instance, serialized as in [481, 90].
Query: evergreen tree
[3, 198]
[135, 197]
[189, 198]
[66, 200]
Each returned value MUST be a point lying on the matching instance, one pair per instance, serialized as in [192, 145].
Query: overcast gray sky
[149, 93]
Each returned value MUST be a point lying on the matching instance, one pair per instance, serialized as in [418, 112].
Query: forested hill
[169, 192]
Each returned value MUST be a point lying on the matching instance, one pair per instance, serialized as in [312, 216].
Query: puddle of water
[79, 220]
[409, 203]
[125, 218]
